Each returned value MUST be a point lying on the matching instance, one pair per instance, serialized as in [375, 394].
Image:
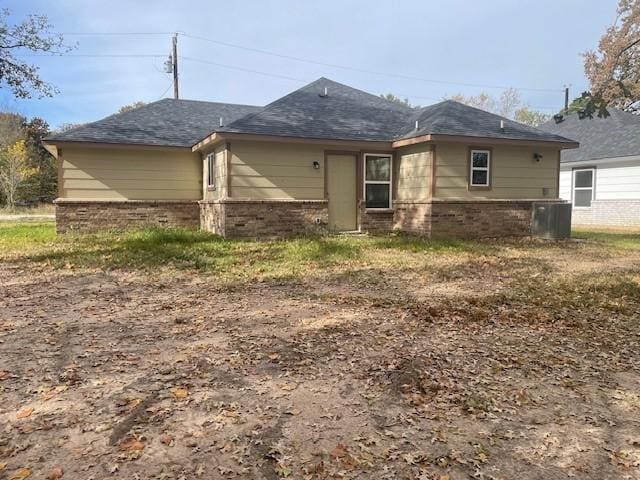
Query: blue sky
[462, 45]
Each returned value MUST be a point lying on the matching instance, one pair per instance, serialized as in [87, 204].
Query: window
[583, 187]
[377, 181]
[479, 165]
[211, 170]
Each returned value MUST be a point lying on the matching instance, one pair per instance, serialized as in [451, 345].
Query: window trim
[377, 182]
[488, 169]
[574, 188]
[211, 165]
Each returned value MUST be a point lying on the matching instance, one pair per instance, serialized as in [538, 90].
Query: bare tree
[509, 104]
[483, 101]
[32, 34]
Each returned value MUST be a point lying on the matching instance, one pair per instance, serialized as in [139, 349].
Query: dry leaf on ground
[20, 474]
[24, 412]
[179, 392]
[131, 445]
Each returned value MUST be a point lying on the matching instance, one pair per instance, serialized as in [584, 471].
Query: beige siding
[220, 189]
[273, 170]
[412, 173]
[515, 174]
[129, 174]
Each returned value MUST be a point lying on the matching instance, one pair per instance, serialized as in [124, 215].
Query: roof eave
[218, 137]
[53, 143]
[433, 138]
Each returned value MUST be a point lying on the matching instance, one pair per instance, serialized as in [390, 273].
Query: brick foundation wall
[478, 219]
[96, 215]
[265, 218]
[375, 221]
[608, 213]
[212, 216]
[412, 217]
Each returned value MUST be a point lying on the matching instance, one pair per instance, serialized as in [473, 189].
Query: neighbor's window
[480, 164]
[211, 170]
[377, 181]
[583, 187]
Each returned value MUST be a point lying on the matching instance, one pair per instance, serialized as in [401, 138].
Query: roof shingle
[168, 122]
[617, 135]
[344, 113]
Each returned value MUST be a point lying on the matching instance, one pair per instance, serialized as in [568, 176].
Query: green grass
[159, 248]
[154, 249]
[626, 240]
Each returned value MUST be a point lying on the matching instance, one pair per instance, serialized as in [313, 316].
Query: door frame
[357, 155]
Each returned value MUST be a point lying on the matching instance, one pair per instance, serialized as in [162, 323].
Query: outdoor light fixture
[316, 165]
[537, 156]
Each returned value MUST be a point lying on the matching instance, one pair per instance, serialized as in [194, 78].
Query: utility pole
[174, 63]
[566, 100]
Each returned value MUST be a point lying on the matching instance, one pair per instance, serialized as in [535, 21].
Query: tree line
[27, 171]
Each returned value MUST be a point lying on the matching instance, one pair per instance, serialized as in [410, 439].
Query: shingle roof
[350, 114]
[615, 136]
[453, 118]
[345, 113]
[168, 122]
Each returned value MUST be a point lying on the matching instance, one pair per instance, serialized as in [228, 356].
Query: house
[602, 177]
[326, 157]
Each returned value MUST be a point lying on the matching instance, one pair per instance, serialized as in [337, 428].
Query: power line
[98, 34]
[94, 55]
[316, 62]
[242, 69]
[355, 69]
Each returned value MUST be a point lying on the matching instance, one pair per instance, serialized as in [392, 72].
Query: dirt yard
[519, 362]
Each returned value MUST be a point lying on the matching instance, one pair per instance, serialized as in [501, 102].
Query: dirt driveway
[520, 366]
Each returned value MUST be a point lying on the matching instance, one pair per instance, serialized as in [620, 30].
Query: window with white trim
[480, 165]
[377, 181]
[211, 170]
[583, 183]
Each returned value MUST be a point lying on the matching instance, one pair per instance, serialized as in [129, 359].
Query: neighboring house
[602, 177]
[326, 157]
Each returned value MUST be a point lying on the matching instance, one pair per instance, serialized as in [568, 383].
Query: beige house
[325, 158]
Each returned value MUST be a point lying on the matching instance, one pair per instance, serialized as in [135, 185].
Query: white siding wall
[565, 185]
[614, 181]
[618, 182]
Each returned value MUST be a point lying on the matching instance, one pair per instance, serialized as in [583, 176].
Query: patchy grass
[619, 238]
[202, 251]
[40, 209]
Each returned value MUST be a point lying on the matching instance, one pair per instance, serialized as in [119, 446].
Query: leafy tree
[392, 98]
[132, 106]
[33, 34]
[45, 180]
[14, 170]
[10, 127]
[530, 117]
[613, 70]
